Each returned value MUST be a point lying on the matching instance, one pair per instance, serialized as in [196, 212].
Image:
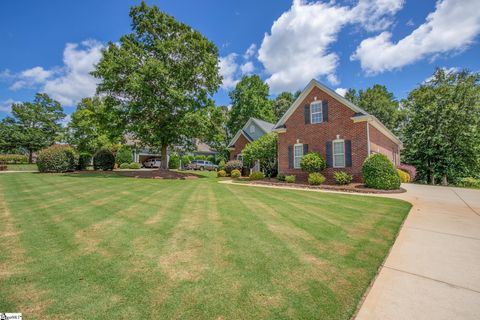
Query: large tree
[442, 135]
[33, 125]
[282, 102]
[156, 75]
[92, 127]
[249, 99]
[378, 101]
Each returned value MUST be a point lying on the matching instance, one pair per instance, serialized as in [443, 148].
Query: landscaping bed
[352, 187]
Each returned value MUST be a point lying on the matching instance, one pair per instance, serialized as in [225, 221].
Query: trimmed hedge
[408, 168]
[379, 173]
[134, 165]
[84, 160]
[469, 183]
[233, 165]
[404, 177]
[313, 162]
[342, 177]
[290, 179]
[235, 173]
[281, 176]
[256, 175]
[124, 165]
[103, 159]
[13, 158]
[57, 158]
[221, 173]
[315, 178]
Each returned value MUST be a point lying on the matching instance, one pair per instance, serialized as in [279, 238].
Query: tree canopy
[250, 98]
[282, 102]
[33, 125]
[265, 151]
[442, 135]
[378, 101]
[156, 75]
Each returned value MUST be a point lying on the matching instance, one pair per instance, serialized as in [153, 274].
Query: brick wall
[379, 143]
[316, 135]
[238, 147]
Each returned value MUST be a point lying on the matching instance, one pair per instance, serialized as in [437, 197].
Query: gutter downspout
[368, 138]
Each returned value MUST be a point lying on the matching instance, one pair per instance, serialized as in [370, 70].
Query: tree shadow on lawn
[151, 174]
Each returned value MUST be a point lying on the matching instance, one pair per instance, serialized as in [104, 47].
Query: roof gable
[264, 126]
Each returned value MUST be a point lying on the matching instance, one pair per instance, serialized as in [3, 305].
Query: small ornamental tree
[103, 160]
[379, 173]
[313, 162]
[124, 155]
[265, 151]
[57, 158]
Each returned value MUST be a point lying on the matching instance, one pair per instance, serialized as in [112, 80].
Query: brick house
[323, 121]
[251, 131]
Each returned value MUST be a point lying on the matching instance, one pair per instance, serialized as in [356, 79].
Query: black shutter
[305, 149]
[290, 157]
[306, 113]
[348, 153]
[328, 153]
[325, 110]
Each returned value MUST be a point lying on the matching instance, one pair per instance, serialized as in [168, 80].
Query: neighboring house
[203, 149]
[251, 131]
[323, 121]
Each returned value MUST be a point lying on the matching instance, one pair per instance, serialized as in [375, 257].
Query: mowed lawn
[103, 247]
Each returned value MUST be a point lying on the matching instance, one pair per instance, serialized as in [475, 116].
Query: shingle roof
[265, 126]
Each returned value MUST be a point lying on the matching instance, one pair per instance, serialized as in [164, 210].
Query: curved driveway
[433, 269]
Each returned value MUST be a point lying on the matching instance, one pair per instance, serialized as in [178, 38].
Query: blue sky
[51, 46]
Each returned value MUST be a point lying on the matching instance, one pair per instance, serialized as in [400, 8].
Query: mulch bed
[146, 174]
[352, 187]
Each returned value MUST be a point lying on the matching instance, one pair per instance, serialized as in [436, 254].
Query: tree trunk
[432, 179]
[30, 156]
[164, 162]
[444, 180]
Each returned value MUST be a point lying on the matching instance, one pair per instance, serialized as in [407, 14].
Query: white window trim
[344, 153]
[252, 128]
[296, 145]
[312, 113]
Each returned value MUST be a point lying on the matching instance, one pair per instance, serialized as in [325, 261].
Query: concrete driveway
[433, 269]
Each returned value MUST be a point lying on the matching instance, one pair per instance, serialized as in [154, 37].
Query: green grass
[106, 247]
[22, 167]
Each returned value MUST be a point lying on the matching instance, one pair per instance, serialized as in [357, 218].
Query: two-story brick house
[323, 121]
[252, 130]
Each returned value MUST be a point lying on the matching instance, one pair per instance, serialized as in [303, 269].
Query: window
[316, 115]
[252, 129]
[338, 154]
[297, 155]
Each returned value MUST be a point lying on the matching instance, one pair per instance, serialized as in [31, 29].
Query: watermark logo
[10, 316]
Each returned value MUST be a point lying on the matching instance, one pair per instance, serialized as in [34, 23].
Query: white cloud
[250, 51]
[228, 69]
[298, 46]
[69, 83]
[6, 105]
[247, 68]
[66, 120]
[452, 27]
[341, 91]
[446, 70]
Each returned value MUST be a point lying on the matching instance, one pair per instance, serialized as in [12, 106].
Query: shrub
[200, 157]
[281, 176]
[84, 160]
[13, 158]
[221, 165]
[233, 165]
[379, 173]
[312, 162]
[315, 178]
[256, 175]
[469, 182]
[342, 177]
[185, 161]
[235, 173]
[124, 155]
[174, 161]
[404, 177]
[211, 158]
[57, 158]
[221, 173]
[263, 150]
[290, 179]
[103, 159]
[125, 166]
[411, 170]
[134, 165]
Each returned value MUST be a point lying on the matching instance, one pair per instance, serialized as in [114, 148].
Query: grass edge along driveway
[82, 246]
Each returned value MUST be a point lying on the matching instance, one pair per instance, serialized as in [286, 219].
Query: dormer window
[316, 115]
[252, 129]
